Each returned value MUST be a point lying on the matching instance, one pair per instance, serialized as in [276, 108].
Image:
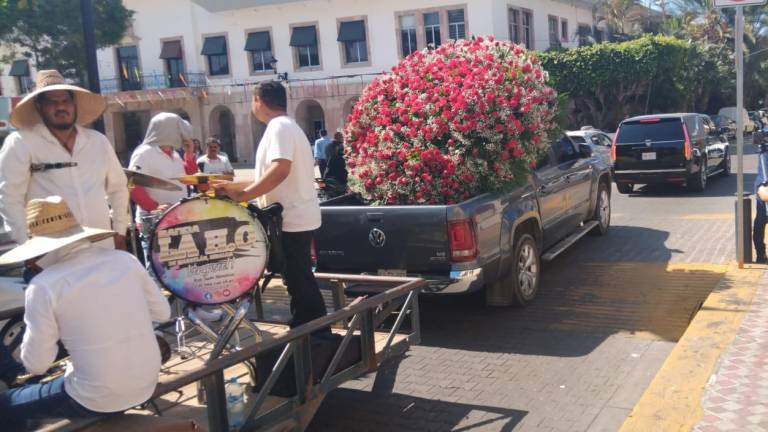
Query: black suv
[669, 148]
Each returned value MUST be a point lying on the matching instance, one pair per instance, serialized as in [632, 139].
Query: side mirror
[585, 150]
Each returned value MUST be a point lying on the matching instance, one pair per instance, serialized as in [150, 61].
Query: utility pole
[86, 12]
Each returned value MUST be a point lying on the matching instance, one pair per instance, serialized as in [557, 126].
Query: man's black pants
[758, 232]
[306, 301]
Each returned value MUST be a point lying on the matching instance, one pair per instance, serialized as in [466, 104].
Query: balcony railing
[152, 81]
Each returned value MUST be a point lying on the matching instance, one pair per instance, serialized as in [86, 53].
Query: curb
[672, 402]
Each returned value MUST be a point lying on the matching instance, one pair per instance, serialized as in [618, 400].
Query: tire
[625, 188]
[698, 181]
[520, 285]
[602, 212]
[726, 168]
[11, 335]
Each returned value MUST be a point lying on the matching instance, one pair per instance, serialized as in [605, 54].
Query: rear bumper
[458, 282]
[673, 175]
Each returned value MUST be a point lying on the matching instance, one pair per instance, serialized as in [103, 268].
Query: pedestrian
[213, 161]
[53, 153]
[283, 174]
[336, 169]
[320, 145]
[761, 215]
[100, 304]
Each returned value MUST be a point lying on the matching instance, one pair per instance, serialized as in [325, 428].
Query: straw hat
[50, 226]
[89, 105]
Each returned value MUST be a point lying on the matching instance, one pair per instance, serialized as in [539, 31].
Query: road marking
[673, 399]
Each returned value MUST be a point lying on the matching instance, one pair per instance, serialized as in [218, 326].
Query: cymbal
[203, 178]
[137, 178]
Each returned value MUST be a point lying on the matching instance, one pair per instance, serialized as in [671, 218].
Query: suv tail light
[461, 240]
[613, 145]
[687, 145]
[313, 253]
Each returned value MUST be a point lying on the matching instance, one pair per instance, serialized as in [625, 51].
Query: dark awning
[352, 31]
[171, 50]
[303, 36]
[215, 45]
[19, 68]
[258, 41]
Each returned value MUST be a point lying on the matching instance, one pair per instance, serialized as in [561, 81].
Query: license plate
[649, 156]
[392, 272]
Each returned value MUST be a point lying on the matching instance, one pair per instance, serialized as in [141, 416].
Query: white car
[598, 140]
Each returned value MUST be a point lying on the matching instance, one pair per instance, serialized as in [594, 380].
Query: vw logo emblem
[648, 143]
[377, 238]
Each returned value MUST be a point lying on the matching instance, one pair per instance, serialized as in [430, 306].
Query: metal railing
[153, 82]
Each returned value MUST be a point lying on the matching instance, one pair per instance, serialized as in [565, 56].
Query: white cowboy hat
[89, 105]
[50, 226]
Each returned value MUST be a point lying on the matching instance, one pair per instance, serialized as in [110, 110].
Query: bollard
[747, 228]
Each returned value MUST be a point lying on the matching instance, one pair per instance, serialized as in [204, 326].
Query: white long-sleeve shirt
[90, 188]
[100, 304]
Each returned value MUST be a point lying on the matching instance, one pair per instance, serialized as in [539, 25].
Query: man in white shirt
[213, 162]
[284, 174]
[320, 146]
[100, 304]
[53, 154]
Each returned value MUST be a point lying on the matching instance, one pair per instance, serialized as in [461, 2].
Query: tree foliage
[608, 82]
[50, 32]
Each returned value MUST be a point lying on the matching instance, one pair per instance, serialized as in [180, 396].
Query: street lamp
[280, 76]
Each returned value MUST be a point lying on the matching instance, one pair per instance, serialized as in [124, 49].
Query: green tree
[50, 32]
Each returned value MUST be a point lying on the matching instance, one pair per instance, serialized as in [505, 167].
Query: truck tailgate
[372, 239]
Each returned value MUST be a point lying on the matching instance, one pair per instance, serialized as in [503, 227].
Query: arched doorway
[257, 130]
[311, 117]
[222, 125]
[346, 109]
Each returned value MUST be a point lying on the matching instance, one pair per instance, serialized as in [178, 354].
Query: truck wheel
[521, 284]
[698, 181]
[602, 212]
[11, 335]
[625, 188]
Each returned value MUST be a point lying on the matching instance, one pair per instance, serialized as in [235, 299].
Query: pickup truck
[494, 241]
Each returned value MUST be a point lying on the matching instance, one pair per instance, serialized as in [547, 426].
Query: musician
[100, 304]
[52, 153]
[284, 173]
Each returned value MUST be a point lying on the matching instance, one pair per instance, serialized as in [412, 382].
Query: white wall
[156, 20]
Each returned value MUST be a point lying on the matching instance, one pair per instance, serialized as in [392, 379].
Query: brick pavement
[736, 397]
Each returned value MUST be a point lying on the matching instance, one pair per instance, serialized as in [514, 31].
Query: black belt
[37, 167]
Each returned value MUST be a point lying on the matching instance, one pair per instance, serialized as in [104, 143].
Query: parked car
[730, 112]
[595, 138]
[725, 126]
[683, 149]
[493, 241]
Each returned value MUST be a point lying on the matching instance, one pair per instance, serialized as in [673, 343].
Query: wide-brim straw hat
[89, 105]
[50, 226]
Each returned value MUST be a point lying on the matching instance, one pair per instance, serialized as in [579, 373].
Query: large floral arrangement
[446, 124]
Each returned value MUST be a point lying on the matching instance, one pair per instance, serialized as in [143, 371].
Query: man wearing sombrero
[100, 304]
[52, 153]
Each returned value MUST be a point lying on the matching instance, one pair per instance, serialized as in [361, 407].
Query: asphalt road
[609, 312]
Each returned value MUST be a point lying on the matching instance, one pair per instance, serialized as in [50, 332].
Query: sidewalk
[715, 379]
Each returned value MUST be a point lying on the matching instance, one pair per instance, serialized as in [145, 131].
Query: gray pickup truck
[494, 241]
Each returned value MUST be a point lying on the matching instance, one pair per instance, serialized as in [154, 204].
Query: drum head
[208, 250]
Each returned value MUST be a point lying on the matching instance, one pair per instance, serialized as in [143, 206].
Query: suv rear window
[666, 129]
[577, 139]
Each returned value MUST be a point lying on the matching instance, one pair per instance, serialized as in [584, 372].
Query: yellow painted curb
[672, 402]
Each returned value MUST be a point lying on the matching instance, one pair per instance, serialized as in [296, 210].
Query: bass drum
[208, 250]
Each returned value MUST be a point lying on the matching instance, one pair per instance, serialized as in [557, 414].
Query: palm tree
[616, 12]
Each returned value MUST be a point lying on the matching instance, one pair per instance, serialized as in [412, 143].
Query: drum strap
[272, 220]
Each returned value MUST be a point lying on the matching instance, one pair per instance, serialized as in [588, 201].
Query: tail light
[613, 145]
[313, 253]
[461, 240]
[687, 145]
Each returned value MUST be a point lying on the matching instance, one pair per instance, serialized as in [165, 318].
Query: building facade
[200, 58]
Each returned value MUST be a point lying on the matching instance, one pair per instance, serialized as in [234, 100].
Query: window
[304, 41]
[259, 47]
[128, 68]
[605, 141]
[352, 35]
[526, 22]
[408, 34]
[564, 150]
[456, 26]
[174, 63]
[215, 48]
[564, 30]
[432, 28]
[585, 34]
[514, 26]
[554, 32]
[20, 71]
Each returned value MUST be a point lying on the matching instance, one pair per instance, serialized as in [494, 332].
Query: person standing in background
[320, 145]
[213, 162]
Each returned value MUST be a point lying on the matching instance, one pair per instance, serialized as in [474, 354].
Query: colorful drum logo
[208, 250]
